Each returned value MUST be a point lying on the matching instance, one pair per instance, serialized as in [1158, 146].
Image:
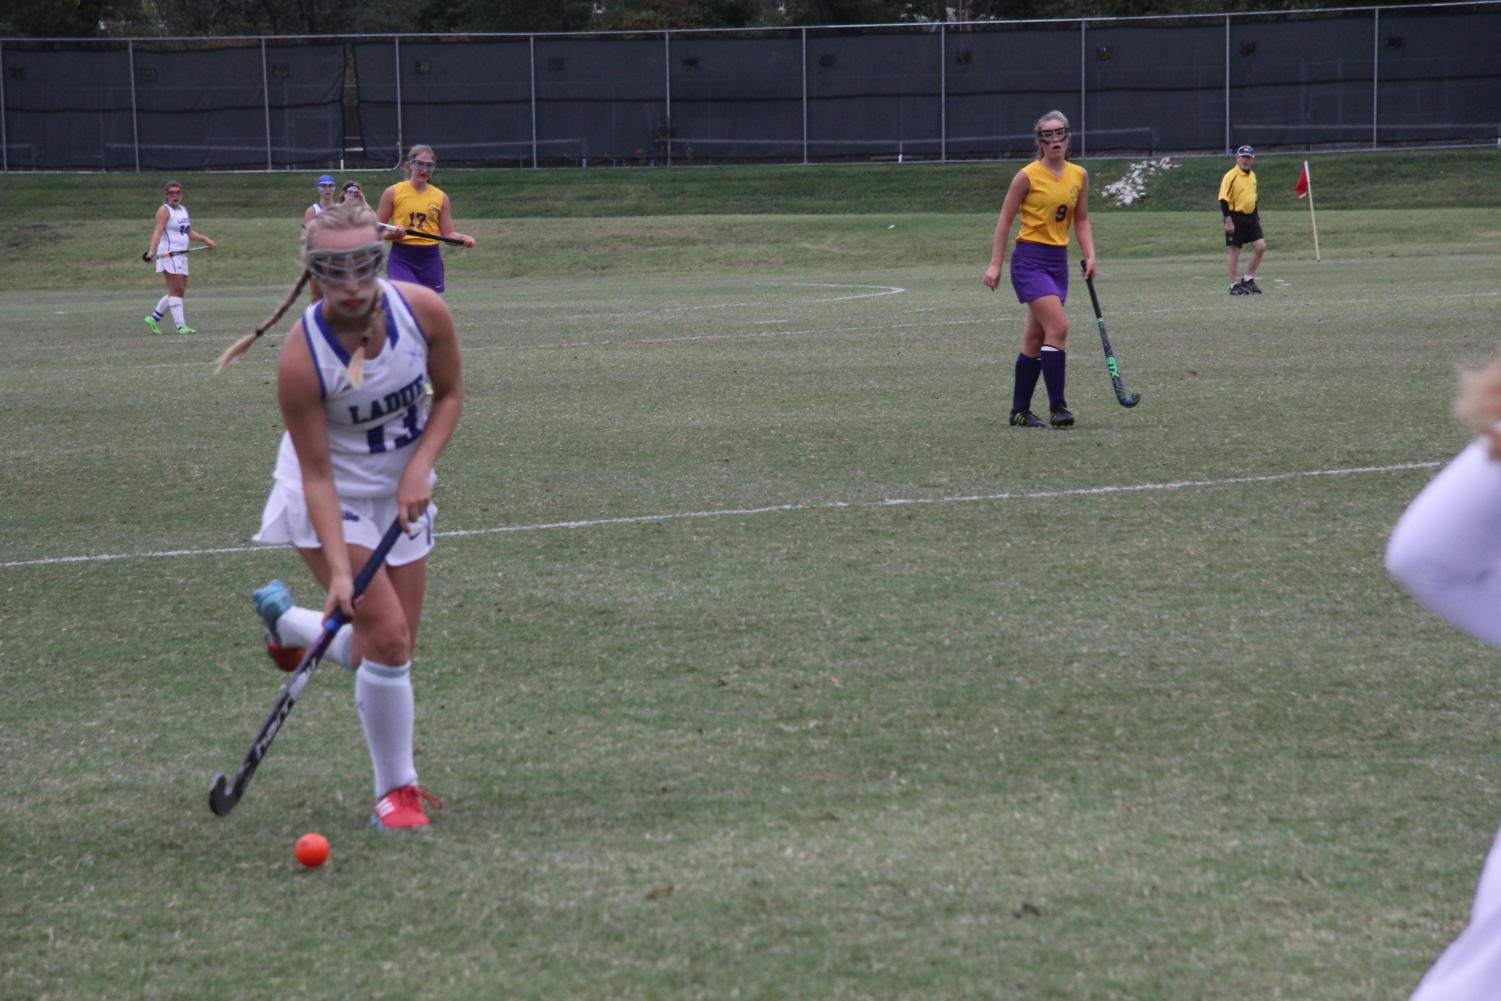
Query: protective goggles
[1048, 135]
[423, 164]
[346, 267]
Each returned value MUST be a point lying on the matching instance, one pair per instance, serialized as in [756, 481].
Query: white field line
[642, 519]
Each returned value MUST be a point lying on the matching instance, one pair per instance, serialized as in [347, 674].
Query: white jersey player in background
[359, 451]
[170, 235]
[1446, 550]
[328, 190]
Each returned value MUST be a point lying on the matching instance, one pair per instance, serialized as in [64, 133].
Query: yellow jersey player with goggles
[421, 209]
[1051, 195]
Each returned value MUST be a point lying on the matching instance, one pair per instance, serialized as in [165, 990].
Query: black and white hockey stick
[148, 258]
[1125, 399]
[426, 236]
[224, 794]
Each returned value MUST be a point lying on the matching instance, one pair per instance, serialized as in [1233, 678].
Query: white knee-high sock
[1446, 548]
[162, 305]
[388, 713]
[174, 303]
[300, 626]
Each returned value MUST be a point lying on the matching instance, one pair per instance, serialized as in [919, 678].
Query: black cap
[1245, 151]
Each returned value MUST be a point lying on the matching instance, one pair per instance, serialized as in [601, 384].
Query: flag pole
[1312, 218]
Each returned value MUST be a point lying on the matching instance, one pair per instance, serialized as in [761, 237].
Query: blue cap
[327, 179]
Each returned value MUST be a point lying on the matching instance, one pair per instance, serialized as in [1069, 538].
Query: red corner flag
[1303, 180]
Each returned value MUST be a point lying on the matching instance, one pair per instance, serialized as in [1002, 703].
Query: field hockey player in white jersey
[171, 232]
[328, 190]
[358, 452]
[1446, 550]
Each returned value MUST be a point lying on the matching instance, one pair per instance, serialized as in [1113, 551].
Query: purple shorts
[422, 265]
[1039, 269]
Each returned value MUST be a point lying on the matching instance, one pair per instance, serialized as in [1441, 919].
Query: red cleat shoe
[401, 808]
[285, 657]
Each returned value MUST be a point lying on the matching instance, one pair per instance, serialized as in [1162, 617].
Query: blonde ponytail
[242, 345]
[346, 215]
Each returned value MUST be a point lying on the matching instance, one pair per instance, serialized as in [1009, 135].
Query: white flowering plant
[1133, 187]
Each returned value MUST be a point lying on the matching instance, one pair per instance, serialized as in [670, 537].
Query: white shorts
[285, 522]
[173, 265]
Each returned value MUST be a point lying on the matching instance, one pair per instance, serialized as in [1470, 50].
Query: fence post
[4, 142]
[266, 100]
[400, 138]
[1375, 77]
[1083, 88]
[135, 117]
[943, 93]
[803, 32]
[531, 53]
[667, 91]
[1228, 147]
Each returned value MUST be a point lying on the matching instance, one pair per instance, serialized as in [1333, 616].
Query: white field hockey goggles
[1048, 135]
[346, 267]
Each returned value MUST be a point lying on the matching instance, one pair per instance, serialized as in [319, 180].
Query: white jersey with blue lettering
[370, 429]
[175, 232]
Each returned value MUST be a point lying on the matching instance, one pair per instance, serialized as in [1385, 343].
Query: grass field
[761, 659]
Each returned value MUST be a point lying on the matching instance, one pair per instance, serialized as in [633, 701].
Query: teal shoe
[271, 602]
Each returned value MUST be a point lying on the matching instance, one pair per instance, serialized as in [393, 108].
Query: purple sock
[1027, 371]
[1053, 364]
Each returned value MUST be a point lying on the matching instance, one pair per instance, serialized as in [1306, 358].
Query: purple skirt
[419, 264]
[1039, 269]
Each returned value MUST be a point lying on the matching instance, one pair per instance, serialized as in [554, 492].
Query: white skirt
[285, 521]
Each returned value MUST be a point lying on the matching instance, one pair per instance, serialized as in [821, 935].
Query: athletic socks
[388, 714]
[174, 303]
[162, 305]
[1027, 371]
[1053, 363]
[300, 626]
[1247, 279]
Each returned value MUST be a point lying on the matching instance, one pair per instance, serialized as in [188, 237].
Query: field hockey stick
[1121, 396]
[429, 236]
[148, 258]
[224, 794]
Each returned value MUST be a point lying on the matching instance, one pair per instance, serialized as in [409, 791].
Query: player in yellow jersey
[418, 207]
[1051, 195]
[1242, 221]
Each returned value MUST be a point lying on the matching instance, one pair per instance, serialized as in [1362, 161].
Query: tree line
[197, 18]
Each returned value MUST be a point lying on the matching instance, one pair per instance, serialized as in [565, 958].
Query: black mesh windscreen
[470, 101]
[1151, 88]
[68, 109]
[1440, 73]
[1294, 84]
[1361, 78]
[602, 99]
[737, 98]
[1002, 79]
[874, 94]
